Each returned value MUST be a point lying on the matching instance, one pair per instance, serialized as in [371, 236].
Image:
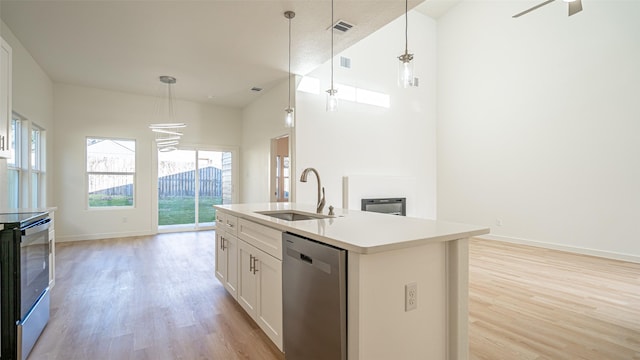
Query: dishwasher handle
[316, 263]
[306, 258]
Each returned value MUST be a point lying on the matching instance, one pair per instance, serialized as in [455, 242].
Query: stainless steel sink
[292, 215]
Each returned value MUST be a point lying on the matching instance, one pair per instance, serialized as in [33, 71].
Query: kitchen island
[385, 253]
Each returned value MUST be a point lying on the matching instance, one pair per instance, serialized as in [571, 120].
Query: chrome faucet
[303, 178]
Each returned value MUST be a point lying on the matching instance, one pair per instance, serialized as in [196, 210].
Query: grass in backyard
[96, 200]
[181, 210]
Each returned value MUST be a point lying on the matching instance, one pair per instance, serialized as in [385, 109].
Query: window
[37, 167]
[309, 85]
[373, 98]
[14, 165]
[347, 92]
[26, 166]
[111, 166]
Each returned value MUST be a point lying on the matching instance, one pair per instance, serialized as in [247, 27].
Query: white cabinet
[227, 251]
[227, 261]
[260, 289]
[269, 299]
[247, 281]
[226, 222]
[5, 97]
[249, 264]
[264, 238]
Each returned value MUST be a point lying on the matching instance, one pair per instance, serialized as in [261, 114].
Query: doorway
[190, 182]
[280, 169]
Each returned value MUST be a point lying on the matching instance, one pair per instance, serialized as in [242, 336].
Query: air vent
[342, 26]
[345, 62]
[256, 89]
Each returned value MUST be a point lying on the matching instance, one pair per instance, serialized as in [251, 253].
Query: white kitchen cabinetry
[227, 251]
[256, 257]
[5, 97]
[226, 222]
[260, 289]
[227, 261]
[264, 238]
[247, 281]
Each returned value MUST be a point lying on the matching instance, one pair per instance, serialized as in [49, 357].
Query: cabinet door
[269, 311]
[247, 284]
[262, 237]
[231, 249]
[221, 258]
[5, 97]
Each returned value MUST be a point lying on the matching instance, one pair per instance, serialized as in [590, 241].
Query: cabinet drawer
[264, 238]
[226, 222]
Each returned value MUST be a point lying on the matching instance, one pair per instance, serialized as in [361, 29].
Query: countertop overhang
[358, 231]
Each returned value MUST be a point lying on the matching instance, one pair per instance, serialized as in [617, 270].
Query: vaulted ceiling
[218, 50]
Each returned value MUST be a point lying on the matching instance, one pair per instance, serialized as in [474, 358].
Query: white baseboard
[102, 236]
[573, 249]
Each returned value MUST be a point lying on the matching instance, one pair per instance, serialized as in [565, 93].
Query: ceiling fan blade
[533, 8]
[575, 7]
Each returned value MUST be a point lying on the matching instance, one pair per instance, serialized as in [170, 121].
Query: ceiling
[218, 50]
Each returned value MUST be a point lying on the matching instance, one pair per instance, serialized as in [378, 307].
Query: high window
[26, 166]
[111, 169]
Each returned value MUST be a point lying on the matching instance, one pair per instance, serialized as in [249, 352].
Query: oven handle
[37, 227]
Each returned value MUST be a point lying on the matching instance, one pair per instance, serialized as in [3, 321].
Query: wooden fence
[184, 183]
[180, 184]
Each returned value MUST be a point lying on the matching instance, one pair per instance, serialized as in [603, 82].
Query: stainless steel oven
[34, 263]
[24, 275]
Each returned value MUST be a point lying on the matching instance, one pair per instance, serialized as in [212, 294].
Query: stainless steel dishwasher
[314, 293]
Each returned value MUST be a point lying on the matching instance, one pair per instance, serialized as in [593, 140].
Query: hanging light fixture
[288, 121]
[332, 99]
[167, 133]
[405, 67]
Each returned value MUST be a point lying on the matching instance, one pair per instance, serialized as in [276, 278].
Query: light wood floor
[146, 298]
[157, 298]
[532, 303]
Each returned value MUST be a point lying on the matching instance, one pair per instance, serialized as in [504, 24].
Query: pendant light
[167, 133]
[332, 99]
[405, 67]
[289, 116]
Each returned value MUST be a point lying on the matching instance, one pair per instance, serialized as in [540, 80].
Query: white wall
[82, 112]
[362, 139]
[262, 121]
[538, 123]
[33, 99]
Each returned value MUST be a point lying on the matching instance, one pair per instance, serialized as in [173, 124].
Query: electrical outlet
[410, 296]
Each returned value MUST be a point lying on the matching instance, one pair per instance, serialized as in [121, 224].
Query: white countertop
[358, 231]
[28, 210]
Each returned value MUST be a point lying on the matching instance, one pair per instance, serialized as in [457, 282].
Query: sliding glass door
[190, 182]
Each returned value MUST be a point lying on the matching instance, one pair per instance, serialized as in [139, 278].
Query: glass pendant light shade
[289, 113]
[332, 100]
[406, 75]
[405, 70]
[289, 118]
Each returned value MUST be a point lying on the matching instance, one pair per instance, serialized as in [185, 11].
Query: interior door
[281, 169]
